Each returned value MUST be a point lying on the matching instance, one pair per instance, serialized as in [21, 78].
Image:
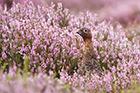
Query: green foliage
[26, 64]
[63, 22]
[4, 66]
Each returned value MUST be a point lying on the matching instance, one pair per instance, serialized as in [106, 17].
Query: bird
[89, 63]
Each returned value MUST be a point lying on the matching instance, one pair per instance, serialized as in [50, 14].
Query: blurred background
[127, 12]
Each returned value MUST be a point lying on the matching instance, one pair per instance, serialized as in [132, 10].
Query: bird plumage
[89, 63]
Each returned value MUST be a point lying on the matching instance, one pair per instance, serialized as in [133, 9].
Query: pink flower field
[40, 51]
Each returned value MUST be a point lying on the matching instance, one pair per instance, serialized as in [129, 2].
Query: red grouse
[89, 63]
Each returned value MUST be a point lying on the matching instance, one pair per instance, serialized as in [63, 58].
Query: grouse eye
[85, 30]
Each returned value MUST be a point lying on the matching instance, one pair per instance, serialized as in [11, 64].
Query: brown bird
[89, 63]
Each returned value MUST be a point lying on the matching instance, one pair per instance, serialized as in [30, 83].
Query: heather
[40, 51]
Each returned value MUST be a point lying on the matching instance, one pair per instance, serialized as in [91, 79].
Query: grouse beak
[79, 32]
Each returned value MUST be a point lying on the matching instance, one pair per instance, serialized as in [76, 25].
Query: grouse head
[85, 33]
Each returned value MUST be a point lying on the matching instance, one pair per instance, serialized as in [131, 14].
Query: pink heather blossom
[47, 37]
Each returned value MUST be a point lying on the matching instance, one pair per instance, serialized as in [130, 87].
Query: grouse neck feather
[88, 48]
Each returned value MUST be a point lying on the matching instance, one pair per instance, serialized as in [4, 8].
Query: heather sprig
[37, 39]
[31, 31]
